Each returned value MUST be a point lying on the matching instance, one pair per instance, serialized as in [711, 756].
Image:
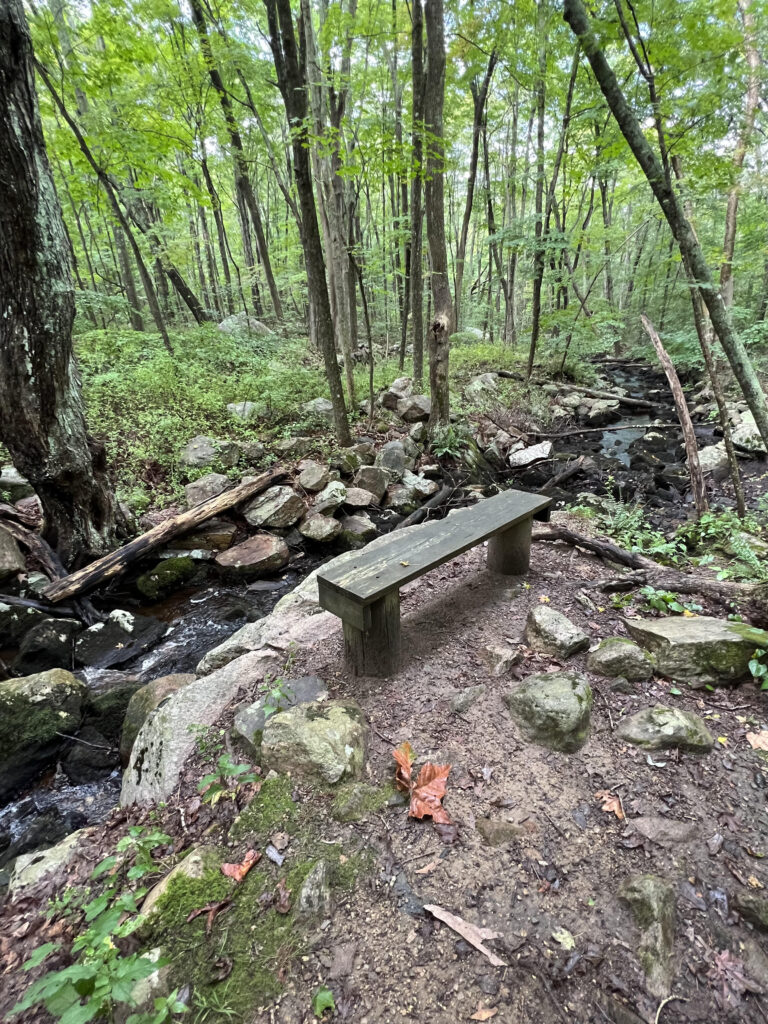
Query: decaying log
[444, 494]
[753, 596]
[566, 473]
[633, 403]
[689, 437]
[117, 561]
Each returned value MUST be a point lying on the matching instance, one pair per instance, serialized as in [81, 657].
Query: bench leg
[509, 552]
[375, 651]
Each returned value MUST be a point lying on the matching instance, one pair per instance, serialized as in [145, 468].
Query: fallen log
[444, 494]
[117, 561]
[633, 403]
[754, 595]
[570, 470]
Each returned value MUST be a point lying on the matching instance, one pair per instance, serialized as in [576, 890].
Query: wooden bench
[365, 591]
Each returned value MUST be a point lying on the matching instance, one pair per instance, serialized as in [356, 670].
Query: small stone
[618, 657]
[319, 408]
[330, 498]
[665, 830]
[373, 479]
[500, 658]
[488, 985]
[260, 555]
[464, 699]
[319, 528]
[277, 508]
[246, 411]
[652, 902]
[419, 433]
[357, 530]
[323, 742]
[420, 486]
[414, 409]
[29, 868]
[550, 632]
[365, 451]
[358, 497]
[206, 487]
[313, 476]
[497, 832]
[553, 709]
[661, 728]
[315, 900]
[393, 460]
[204, 451]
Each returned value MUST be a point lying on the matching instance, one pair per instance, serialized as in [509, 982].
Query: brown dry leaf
[610, 803]
[758, 740]
[212, 910]
[283, 898]
[405, 757]
[484, 1012]
[239, 871]
[427, 868]
[470, 932]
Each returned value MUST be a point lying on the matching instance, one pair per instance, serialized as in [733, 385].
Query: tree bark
[417, 145]
[690, 250]
[538, 231]
[292, 82]
[442, 325]
[42, 421]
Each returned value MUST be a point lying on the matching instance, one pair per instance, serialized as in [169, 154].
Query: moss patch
[355, 800]
[272, 808]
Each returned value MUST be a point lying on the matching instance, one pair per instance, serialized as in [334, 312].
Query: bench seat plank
[403, 558]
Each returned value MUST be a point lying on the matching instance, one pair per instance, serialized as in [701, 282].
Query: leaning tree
[42, 422]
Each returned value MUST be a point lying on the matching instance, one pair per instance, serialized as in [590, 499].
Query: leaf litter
[239, 871]
[470, 932]
[426, 792]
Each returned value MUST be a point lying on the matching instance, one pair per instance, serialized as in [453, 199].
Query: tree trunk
[42, 421]
[442, 325]
[690, 250]
[126, 274]
[538, 233]
[292, 81]
[417, 141]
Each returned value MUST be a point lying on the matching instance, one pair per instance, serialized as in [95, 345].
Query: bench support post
[509, 552]
[375, 651]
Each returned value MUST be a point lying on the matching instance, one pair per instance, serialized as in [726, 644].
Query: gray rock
[714, 459]
[253, 452]
[414, 409]
[393, 460]
[701, 651]
[396, 392]
[166, 577]
[603, 410]
[664, 830]
[120, 638]
[319, 528]
[347, 461]
[753, 908]
[204, 451]
[652, 902]
[401, 499]
[499, 658]
[241, 323]
[16, 486]
[357, 530]
[358, 497]
[617, 657]
[528, 456]
[293, 447]
[330, 498]
[275, 509]
[661, 728]
[30, 868]
[550, 632]
[323, 742]
[314, 476]
[260, 555]
[11, 558]
[365, 451]
[91, 758]
[747, 435]
[373, 479]
[34, 713]
[315, 900]
[143, 702]
[249, 721]
[421, 486]
[482, 387]
[553, 709]
[319, 408]
[246, 411]
[497, 832]
[49, 644]
[206, 487]
[464, 699]
[215, 535]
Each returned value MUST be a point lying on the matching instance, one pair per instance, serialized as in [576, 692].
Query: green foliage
[227, 781]
[724, 530]
[758, 667]
[627, 524]
[666, 601]
[209, 741]
[274, 690]
[102, 977]
[448, 440]
[323, 1000]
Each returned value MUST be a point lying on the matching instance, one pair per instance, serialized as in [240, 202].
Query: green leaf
[323, 1000]
[40, 954]
[674, 690]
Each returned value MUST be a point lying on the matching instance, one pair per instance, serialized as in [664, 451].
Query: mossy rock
[618, 657]
[272, 809]
[356, 800]
[106, 711]
[661, 728]
[167, 576]
[553, 709]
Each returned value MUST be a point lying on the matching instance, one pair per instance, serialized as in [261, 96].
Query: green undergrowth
[238, 967]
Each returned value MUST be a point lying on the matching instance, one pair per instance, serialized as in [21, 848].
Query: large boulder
[320, 742]
[550, 632]
[49, 644]
[208, 486]
[397, 391]
[37, 713]
[30, 868]
[314, 476]
[651, 901]
[602, 411]
[373, 479]
[393, 460]
[204, 451]
[414, 409]
[241, 323]
[616, 657]
[701, 651]
[276, 509]
[553, 709]
[747, 435]
[260, 555]
[143, 702]
[401, 499]
[120, 638]
[167, 576]
[529, 456]
[91, 758]
[11, 558]
[714, 459]
[319, 409]
[250, 720]
[661, 728]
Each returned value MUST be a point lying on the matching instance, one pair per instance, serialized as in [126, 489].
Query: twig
[387, 739]
[663, 1003]
[97, 746]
